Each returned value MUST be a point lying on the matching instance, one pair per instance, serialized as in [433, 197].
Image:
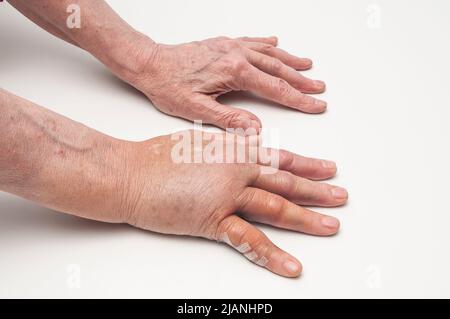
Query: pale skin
[184, 80]
[138, 183]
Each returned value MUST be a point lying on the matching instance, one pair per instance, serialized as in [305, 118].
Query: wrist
[105, 180]
[130, 57]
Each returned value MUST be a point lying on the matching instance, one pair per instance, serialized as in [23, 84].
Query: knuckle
[312, 166]
[323, 191]
[276, 66]
[235, 65]
[228, 119]
[286, 159]
[282, 87]
[239, 65]
[275, 205]
[260, 245]
[307, 222]
[311, 192]
[266, 48]
[288, 183]
[234, 230]
[246, 198]
[230, 45]
[307, 102]
[258, 241]
[225, 226]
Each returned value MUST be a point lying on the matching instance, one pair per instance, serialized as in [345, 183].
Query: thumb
[227, 117]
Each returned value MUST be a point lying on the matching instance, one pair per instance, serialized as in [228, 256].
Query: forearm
[57, 162]
[102, 32]
[21, 6]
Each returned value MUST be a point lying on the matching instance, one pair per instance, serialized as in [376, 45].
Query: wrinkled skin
[213, 200]
[185, 80]
[139, 183]
[71, 168]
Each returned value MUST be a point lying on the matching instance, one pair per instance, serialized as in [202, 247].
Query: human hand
[185, 80]
[206, 185]
[217, 200]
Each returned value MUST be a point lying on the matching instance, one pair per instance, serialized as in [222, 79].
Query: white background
[387, 67]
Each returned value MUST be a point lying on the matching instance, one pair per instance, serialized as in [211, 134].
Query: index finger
[256, 247]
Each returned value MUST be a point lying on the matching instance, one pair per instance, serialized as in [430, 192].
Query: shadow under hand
[21, 218]
[239, 99]
[25, 222]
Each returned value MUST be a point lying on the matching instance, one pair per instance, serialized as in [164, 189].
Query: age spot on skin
[60, 152]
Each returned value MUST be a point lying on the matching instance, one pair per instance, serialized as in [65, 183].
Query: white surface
[387, 127]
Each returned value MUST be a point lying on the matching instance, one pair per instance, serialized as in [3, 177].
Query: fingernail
[339, 193]
[291, 266]
[306, 61]
[249, 126]
[319, 84]
[256, 125]
[252, 129]
[320, 103]
[330, 222]
[328, 164]
[319, 106]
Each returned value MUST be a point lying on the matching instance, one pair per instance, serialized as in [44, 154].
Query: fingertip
[330, 165]
[317, 107]
[329, 169]
[257, 126]
[339, 194]
[330, 224]
[285, 265]
[303, 64]
[321, 105]
[319, 170]
[291, 268]
[319, 86]
[248, 126]
[274, 40]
